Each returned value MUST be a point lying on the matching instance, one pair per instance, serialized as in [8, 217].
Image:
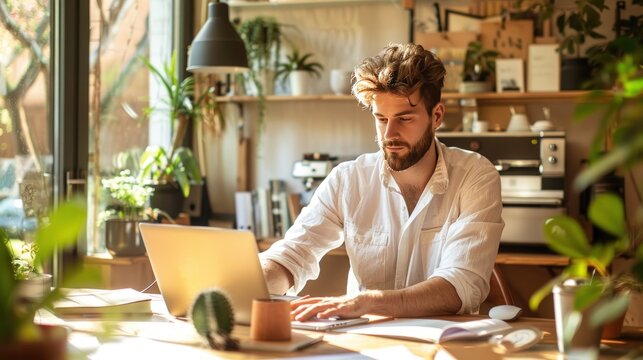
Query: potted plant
[605, 57]
[20, 337]
[173, 172]
[582, 23]
[479, 67]
[298, 69]
[262, 37]
[32, 283]
[126, 209]
[601, 296]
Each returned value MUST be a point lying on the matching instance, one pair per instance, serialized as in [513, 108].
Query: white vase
[299, 82]
[587, 338]
[340, 81]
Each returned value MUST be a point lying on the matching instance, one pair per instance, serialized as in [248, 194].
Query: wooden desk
[351, 344]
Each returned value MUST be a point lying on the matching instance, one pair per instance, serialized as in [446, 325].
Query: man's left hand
[327, 307]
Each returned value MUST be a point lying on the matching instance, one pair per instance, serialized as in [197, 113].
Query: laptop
[188, 259]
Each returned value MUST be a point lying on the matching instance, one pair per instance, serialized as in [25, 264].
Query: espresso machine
[312, 169]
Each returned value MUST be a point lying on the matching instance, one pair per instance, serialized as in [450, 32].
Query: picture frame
[460, 21]
[510, 75]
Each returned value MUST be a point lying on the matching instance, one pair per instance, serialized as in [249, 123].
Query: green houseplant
[263, 38]
[178, 165]
[126, 208]
[576, 27]
[479, 67]
[602, 296]
[297, 68]
[20, 337]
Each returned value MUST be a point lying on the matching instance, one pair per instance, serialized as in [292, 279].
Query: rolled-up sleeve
[316, 231]
[472, 240]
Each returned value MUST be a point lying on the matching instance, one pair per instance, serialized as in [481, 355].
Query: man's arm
[278, 278]
[434, 296]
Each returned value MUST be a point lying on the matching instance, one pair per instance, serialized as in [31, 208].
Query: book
[103, 302]
[434, 331]
[244, 211]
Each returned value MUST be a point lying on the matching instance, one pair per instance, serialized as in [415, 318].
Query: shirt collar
[437, 184]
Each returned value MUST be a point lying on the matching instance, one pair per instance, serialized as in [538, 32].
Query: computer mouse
[505, 312]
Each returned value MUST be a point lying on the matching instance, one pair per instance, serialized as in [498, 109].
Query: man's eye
[405, 119]
[382, 120]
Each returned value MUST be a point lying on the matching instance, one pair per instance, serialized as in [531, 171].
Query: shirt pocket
[366, 250]
[430, 246]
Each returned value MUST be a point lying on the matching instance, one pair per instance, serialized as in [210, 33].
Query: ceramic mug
[480, 126]
[340, 81]
[270, 320]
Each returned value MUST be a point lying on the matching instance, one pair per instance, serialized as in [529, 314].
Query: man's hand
[327, 307]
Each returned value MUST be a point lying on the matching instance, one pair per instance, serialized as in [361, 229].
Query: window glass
[121, 94]
[25, 149]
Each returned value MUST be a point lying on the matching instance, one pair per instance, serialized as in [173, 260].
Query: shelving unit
[281, 3]
[564, 96]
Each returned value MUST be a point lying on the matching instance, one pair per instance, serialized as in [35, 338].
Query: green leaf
[560, 23]
[585, 109]
[65, 223]
[607, 212]
[587, 295]
[7, 288]
[633, 88]
[566, 237]
[609, 310]
[544, 291]
[577, 269]
[602, 255]
[607, 163]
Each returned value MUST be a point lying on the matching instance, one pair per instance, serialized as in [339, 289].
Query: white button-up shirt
[453, 232]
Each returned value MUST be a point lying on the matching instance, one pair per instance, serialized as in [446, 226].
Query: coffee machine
[312, 169]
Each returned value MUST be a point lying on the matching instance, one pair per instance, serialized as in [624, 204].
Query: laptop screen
[189, 259]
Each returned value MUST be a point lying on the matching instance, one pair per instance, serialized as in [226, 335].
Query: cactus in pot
[213, 318]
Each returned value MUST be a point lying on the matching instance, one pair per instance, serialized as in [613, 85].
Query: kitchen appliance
[312, 169]
[532, 175]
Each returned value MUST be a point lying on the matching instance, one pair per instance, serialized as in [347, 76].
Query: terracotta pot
[612, 330]
[270, 320]
[51, 346]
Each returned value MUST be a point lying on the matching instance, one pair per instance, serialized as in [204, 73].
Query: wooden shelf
[284, 3]
[107, 259]
[502, 258]
[278, 98]
[449, 98]
[531, 259]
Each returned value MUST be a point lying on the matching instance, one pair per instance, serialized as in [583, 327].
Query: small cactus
[213, 318]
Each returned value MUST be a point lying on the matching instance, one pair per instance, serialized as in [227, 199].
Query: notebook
[188, 259]
[102, 302]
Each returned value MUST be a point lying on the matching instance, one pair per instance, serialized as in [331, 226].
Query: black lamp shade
[217, 48]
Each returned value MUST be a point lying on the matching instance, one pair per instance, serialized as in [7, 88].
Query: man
[421, 222]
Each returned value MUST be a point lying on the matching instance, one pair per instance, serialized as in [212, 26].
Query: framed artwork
[510, 75]
[461, 21]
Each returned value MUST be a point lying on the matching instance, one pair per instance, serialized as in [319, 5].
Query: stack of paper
[102, 302]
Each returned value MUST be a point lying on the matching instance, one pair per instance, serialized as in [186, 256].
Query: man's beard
[416, 152]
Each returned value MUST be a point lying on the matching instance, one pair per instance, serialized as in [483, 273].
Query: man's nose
[391, 132]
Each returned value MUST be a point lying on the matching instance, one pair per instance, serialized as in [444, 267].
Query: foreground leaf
[607, 212]
[566, 237]
[609, 310]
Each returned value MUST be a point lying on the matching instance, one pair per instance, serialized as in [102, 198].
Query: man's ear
[438, 115]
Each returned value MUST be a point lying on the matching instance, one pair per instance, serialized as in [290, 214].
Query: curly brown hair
[400, 69]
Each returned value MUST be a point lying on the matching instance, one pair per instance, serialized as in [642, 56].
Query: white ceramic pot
[35, 288]
[340, 81]
[587, 338]
[299, 82]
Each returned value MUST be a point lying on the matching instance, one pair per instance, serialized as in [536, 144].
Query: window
[26, 159]
[121, 93]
